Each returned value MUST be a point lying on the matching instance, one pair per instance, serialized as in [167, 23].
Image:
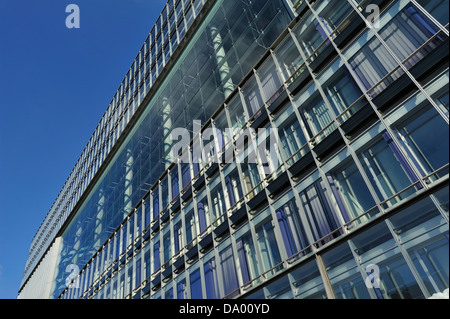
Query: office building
[316, 164]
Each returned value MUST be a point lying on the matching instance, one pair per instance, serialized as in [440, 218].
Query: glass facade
[353, 175]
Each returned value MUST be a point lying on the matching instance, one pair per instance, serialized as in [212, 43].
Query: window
[386, 168]
[344, 275]
[335, 12]
[186, 174]
[137, 272]
[268, 150]
[291, 226]
[121, 283]
[222, 131]
[167, 245]
[319, 210]
[269, 78]
[251, 177]
[372, 63]
[212, 289]
[425, 136]
[130, 224]
[342, 91]
[233, 186]
[218, 202]
[291, 135]
[146, 261]
[310, 34]
[191, 231]
[252, 96]
[203, 212]
[280, 289]
[156, 257]
[181, 288]
[165, 193]
[138, 223]
[155, 199]
[178, 238]
[307, 282]
[318, 116]
[438, 8]
[168, 293]
[129, 278]
[248, 263]
[267, 244]
[288, 57]
[124, 237]
[406, 32]
[443, 100]
[230, 280]
[377, 246]
[350, 186]
[146, 212]
[196, 284]
[174, 181]
[428, 249]
[237, 114]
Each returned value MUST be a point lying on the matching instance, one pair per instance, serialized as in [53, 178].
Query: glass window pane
[354, 192]
[280, 289]
[291, 226]
[195, 284]
[344, 275]
[212, 288]
[248, 263]
[386, 169]
[376, 246]
[230, 280]
[318, 116]
[319, 210]
[252, 96]
[342, 92]
[269, 78]
[406, 32]
[237, 114]
[291, 134]
[270, 255]
[372, 62]
[425, 136]
[424, 234]
[288, 57]
[307, 282]
[334, 12]
[438, 8]
[233, 186]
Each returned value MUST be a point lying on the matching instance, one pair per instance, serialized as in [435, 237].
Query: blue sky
[55, 84]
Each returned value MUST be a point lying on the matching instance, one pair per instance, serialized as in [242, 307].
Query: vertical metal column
[326, 280]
